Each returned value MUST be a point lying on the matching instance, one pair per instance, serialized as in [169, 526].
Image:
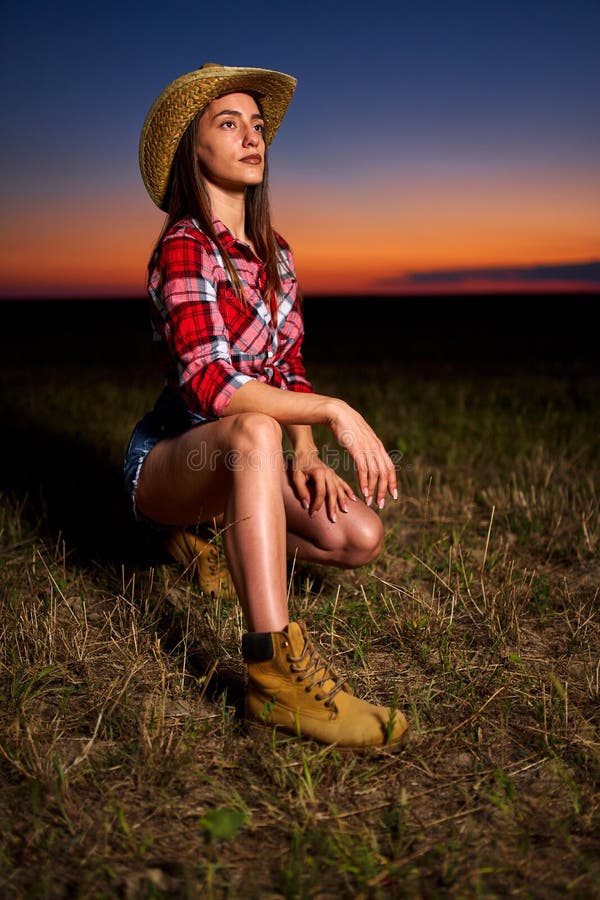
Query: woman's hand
[298, 412]
[316, 484]
[375, 469]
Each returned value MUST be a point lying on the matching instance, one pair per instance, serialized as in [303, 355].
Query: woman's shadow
[66, 490]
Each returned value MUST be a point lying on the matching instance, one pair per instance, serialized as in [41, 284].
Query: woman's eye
[260, 128]
[228, 123]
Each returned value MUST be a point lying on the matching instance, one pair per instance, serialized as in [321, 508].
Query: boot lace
[212, 561]
[208, 558]
[312, 668]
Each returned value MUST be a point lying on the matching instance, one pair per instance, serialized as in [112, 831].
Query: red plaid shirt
[211, 342]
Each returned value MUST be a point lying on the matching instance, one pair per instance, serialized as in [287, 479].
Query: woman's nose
[251, 137]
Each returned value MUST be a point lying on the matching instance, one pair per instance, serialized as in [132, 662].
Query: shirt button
[269, 353]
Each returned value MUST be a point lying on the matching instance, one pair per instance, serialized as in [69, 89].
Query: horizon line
[322, 295]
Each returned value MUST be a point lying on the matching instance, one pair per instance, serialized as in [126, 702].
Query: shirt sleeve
[194, 330]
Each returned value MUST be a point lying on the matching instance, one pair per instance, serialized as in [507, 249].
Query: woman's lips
[254, 159]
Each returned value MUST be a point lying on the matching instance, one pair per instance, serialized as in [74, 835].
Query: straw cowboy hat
[176, 106]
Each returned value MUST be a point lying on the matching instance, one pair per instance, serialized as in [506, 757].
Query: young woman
[227, 319]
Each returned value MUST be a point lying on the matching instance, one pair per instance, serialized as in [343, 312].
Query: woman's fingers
[368, 473]
[332, 491]
[376, 477]
[338, 496]
[375, 470]
[392, 480]
[362, 474]
[319, 490]
[388, 484]
[301, 487]
[346, 493]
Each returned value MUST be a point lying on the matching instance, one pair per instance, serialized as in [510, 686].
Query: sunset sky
[430, 146]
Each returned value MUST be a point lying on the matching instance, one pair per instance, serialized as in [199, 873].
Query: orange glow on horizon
[355, 238]
[434, 224]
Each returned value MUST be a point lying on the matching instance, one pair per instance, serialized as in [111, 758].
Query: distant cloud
[587, 273]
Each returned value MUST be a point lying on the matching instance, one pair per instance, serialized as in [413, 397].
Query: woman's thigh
[185, 479]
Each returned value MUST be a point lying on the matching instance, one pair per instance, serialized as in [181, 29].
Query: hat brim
[176, 106]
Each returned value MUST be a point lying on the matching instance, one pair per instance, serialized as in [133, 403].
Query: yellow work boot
[203, 559]
[291, 686]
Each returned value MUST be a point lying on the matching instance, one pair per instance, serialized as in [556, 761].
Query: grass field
[125, 766]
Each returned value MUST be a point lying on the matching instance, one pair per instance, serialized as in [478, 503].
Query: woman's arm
[375, 470]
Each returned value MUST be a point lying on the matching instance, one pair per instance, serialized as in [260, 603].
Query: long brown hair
[188, 196]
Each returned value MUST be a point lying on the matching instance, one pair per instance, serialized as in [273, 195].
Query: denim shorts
[169, 417]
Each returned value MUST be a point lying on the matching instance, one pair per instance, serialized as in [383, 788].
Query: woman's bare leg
[232, 467]
[254, 528]
[355, 539]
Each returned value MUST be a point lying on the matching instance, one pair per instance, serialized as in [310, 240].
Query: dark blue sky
[391, 96]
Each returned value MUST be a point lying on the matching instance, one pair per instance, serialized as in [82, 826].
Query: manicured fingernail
[344, 508]
[333, 519]
[395, 494]
[381, 504]
[305, 504]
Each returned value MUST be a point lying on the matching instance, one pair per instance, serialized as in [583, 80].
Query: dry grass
[125, 764]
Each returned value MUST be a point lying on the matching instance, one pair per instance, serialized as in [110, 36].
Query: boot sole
[261, 730]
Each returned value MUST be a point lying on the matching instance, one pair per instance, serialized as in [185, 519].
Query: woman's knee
[366, 538]
[357, 540]
[255, 436]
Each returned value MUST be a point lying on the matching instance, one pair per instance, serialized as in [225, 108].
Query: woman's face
[230, 142]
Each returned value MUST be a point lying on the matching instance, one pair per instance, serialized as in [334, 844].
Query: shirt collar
[229, 240]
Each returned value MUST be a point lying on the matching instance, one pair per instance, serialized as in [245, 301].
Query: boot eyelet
[284, 644]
